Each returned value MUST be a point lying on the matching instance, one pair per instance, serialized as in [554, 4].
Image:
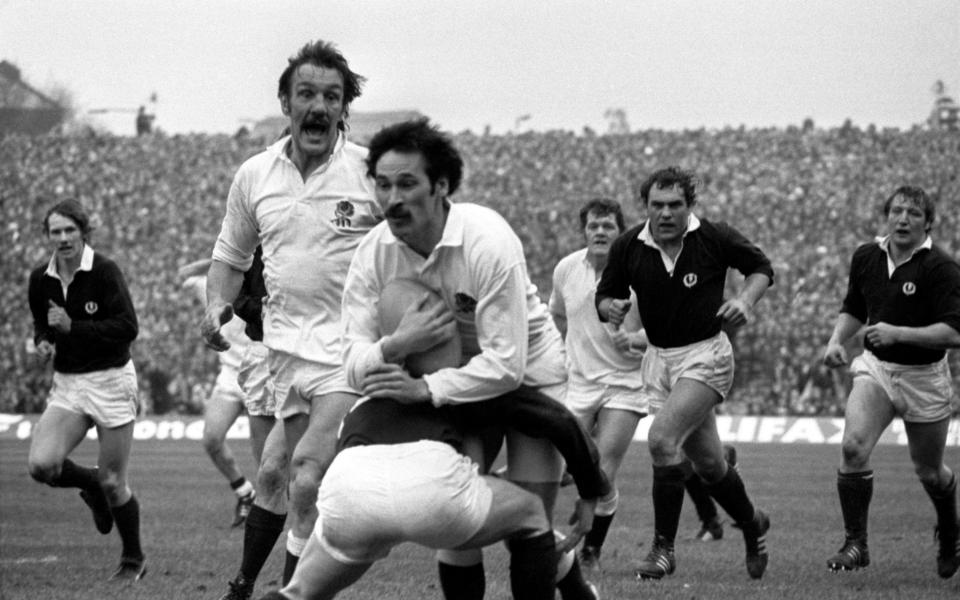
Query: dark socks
[533, 567]
[127, 520]
[945, 503]
[667, 500]
[573, 586]
[598, 533]
[235, 484]
[732, 496]
[73, 475]
[855, 490]
[465, 583]
[260, 533]
[702, 502]
[289, 566]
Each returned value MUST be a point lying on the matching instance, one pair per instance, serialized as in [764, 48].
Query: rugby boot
[948, 556]
[755, 540]
[238, 589]
[242, 510]
[854, 555]
[590, 558]
[130, 569]
[97, 501]
[711, 530]
[660, 560]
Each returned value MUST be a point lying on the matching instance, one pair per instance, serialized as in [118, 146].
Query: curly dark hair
[439, 154]
[603, 207]
[668, 178]
[323, 54]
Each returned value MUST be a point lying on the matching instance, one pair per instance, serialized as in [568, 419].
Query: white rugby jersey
[591, 354]
[309, 231]
[478, 268]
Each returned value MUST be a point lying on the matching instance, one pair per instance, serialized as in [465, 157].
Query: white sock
[294, 544]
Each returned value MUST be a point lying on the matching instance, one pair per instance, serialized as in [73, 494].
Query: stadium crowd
[807, 196]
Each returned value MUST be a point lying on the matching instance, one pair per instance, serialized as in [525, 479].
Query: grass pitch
[50, 550]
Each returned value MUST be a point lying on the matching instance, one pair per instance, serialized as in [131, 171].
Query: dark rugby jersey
[249, 302]
[681, 308]
[103, 321]
[922, 291]
[382, 421]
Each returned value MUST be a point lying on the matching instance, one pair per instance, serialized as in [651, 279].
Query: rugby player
[307, 200]
[400, 476]
[676, 264]
[226, 400]
[906, 290]
[603, 363]
[84, 319]
[475, 261]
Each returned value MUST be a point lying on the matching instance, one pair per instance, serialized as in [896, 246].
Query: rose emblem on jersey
[465, 304]
[90, 307]
[343, 213]
[690, 280]
[909, 288]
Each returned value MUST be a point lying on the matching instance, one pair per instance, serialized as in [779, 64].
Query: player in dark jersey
[906, 291]
[400, 475]
[83, 317]
[677, 265]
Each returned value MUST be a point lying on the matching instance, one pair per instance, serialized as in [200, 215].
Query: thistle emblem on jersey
[90, 307]
[465, 304]
[342, 214]
[690, 280]
[909, 288]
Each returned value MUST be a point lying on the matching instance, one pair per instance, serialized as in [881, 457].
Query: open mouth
[315, 129]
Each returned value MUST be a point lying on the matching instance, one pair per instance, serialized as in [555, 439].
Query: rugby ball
[400, 295]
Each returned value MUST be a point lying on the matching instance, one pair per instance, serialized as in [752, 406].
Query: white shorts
[226, 388]
[918, 393]
[109, 397]
[709, 361]
[375, 497]
[254, 380]
[586, 398]
[297, 381]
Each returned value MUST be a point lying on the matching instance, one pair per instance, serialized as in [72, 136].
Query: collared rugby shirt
[922, 291]
[103, 321]
[678, 300]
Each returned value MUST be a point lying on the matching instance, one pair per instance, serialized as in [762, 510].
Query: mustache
[395, 212]
[317, 121]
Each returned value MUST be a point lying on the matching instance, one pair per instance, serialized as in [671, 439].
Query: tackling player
[906, 291]
[406, 462]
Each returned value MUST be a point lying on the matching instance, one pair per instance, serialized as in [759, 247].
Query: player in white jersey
[474, 260]
[226, 401]
[307, 200]
[603, 362]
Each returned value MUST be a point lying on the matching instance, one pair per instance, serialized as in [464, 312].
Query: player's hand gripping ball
[399, 296]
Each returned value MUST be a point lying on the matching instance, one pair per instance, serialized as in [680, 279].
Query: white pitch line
[29, 561]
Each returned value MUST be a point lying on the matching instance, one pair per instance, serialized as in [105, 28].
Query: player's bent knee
[111, 484]
[43, 472]
[929, 476]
